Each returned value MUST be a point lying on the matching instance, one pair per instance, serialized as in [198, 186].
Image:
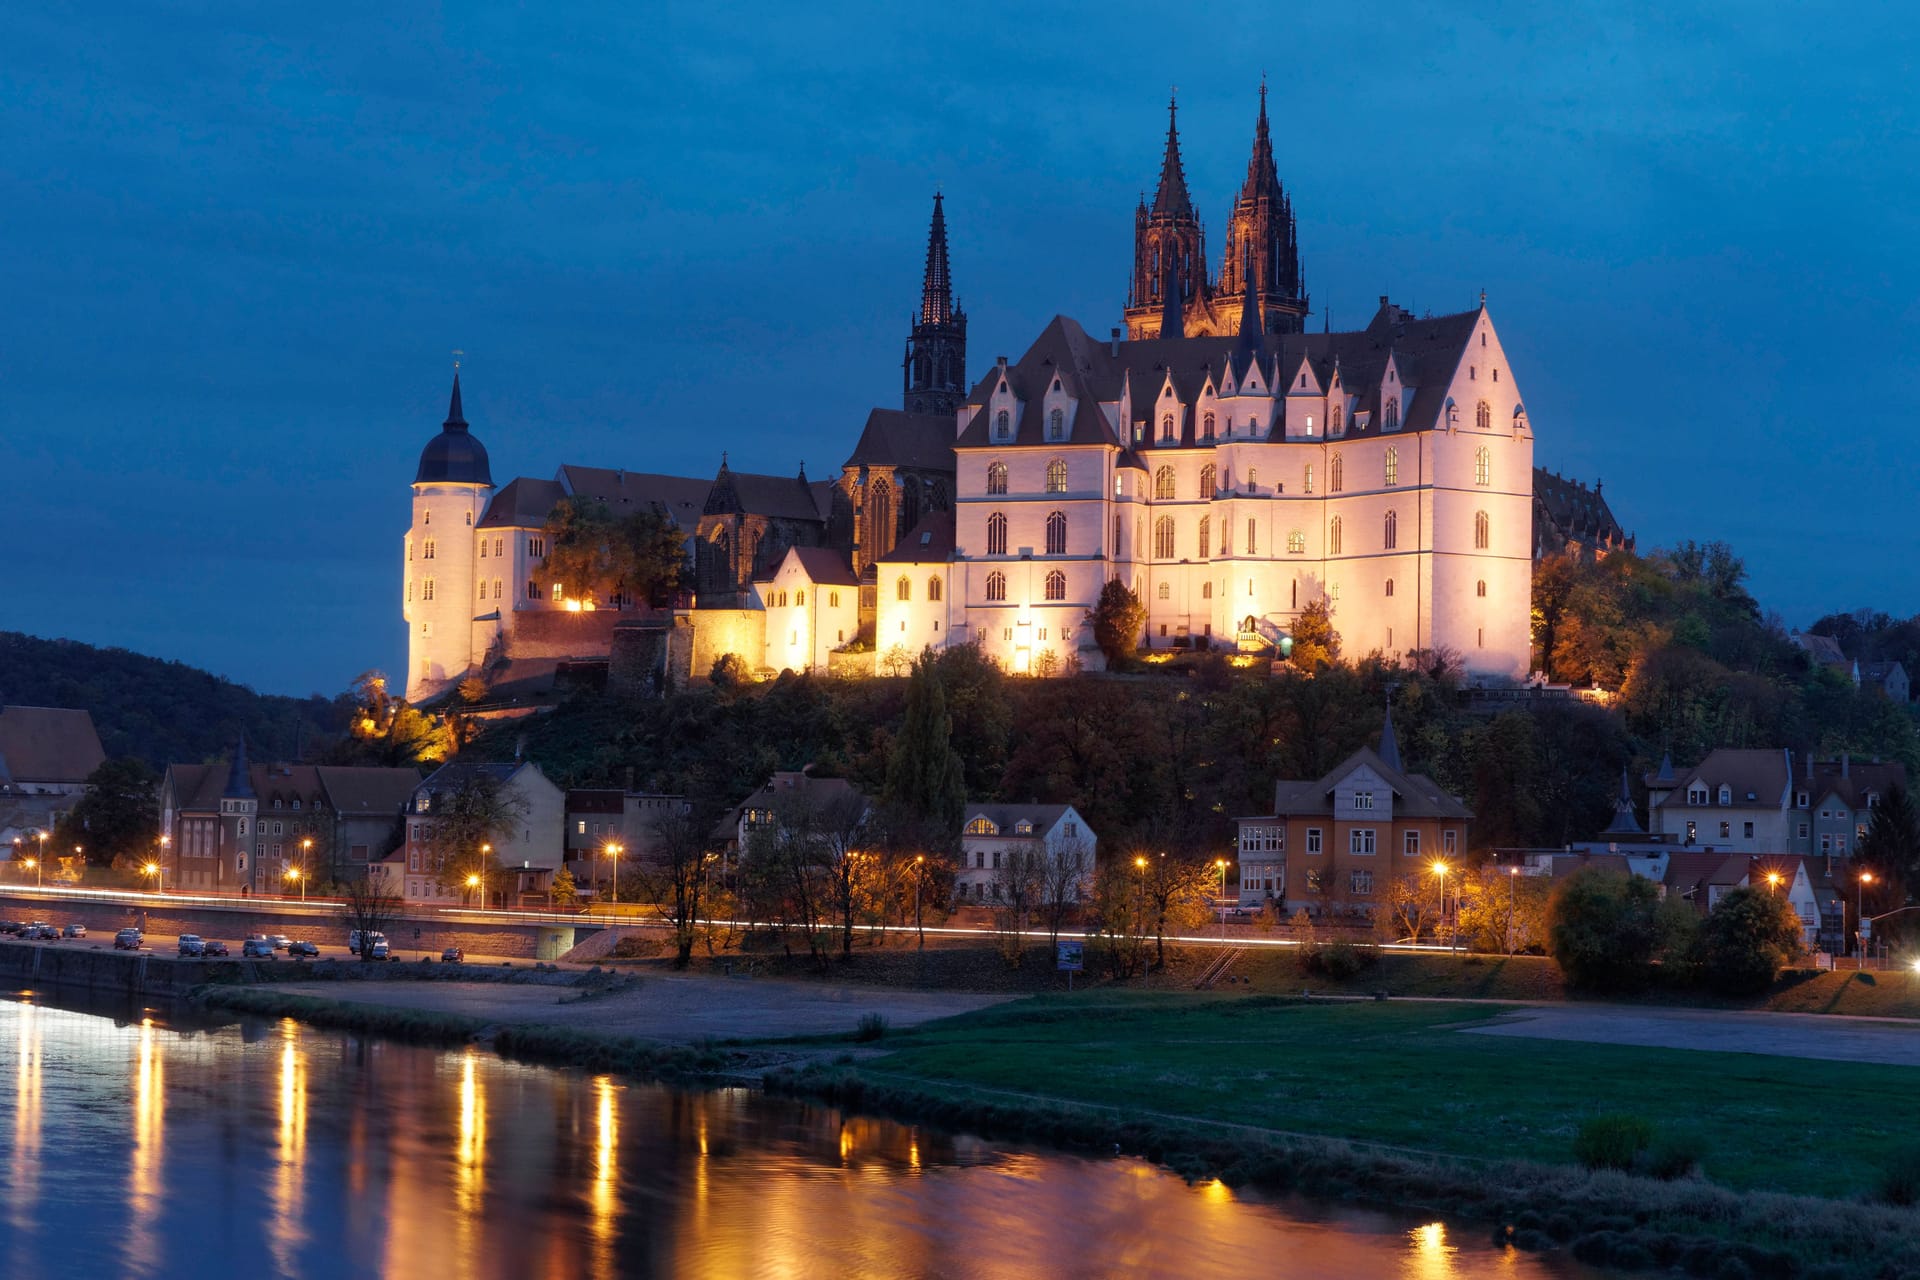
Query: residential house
[1704, 879]
[1334, 844]
[812, 606]
[46, 756]
[991, 835]
[1767, 801]
[599, 819]
[535, 843]
[1889, 678]
[786, 793]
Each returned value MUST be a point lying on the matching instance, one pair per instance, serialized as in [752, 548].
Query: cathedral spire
[456, 421]
[1171, 198]
[936, 290]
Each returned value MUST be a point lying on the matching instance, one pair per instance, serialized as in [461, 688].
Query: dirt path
[679, 1007]
[1788, 1035]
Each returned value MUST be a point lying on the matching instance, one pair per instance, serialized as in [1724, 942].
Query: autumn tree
[592, 554]
[1116, 618]
[1315, 643]
[1748, 937]
[466, 821]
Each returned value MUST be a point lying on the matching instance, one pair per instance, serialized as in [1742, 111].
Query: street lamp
[473, 882]
[306, 863]
[1221, 865]
[295, 876]
[919, 870]
[1513, 878]
[1773, 883]
[613, 852]
[1860, 915]
[34, 865]
[153, 869]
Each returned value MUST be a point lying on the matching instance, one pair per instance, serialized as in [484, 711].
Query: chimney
[1113, 347]
[1000, 362]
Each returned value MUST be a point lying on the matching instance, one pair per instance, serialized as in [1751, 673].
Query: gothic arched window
[1393, 413]
[933, 588]
[1336, 418]
[1206, 536]
[903, 589]
[1206, 427]
[1481, 532]
[1390, 536]
[1056, 425]
[1166, 591]
[1057, 533]
[996, 586]
[1482, 466]
[1163, 488]
[1057, 476]
[996, 477]
[1206, 591]
[1333, 537]
[1002, 424]
[1056, 585]
[1483, 416]
[1393, 466]
[1336, 475]
[1166, 429]
[1208, 479]
[1163, 538]
[1389, 588]
[1480, 588]
[996, 534]
[1296, 543]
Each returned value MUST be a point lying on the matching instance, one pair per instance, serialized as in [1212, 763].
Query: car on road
[45, 932]
[303, 951]
[354, 940]
[192, 944]
[453, 955]
[256, 949]
[127, 940]
[14, 927]
[279, 941]
[214, 949]
[379, 950]
[74, 931]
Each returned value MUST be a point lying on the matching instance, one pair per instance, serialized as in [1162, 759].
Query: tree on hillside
[1116, 618]
[1892, 843]
[637, 557]
[386, 730]
[1315, 643]
[926, 782]
[1749, 936]
[1601, 929]
[1066, 873]
[467, 821]
[115, 816]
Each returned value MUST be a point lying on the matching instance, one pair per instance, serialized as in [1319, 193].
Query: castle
[1228, 465]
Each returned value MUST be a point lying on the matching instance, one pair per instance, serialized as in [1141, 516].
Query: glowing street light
[34, 865]
[1440, 869]
[1773, 883]
[153, 869]
[1860, 914]
[1220, 864]
[613, 851]
[919, 870]
[296, 876]
[473, 882]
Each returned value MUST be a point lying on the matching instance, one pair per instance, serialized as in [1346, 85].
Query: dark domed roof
[454, 456]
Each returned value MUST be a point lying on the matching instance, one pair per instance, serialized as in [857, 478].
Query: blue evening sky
[238, 242]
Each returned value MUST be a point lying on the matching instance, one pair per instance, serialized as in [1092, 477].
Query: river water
[140, 1142]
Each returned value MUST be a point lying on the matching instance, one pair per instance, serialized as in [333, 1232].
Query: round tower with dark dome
[451, 489]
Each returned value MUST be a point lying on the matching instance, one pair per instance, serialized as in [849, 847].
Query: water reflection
[292, 1152]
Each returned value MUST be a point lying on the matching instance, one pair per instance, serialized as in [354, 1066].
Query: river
[148, 1142]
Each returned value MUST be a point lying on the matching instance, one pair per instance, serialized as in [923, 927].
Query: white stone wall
[805, 620]
[437, 591]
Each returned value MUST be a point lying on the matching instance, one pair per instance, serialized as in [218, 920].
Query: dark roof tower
[1624, 823]
[1389, 751]
[934, 371]
[1263, 245]
[1168, 244]
[454, 456]
[239, 783]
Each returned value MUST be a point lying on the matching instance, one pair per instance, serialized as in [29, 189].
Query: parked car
[192, 944]
[214, 949]
[279, 941]
[45, 932]
[127, 940]
[256, 949]
[379, 950]
[303, 951]
[354, 940]
[14, 927]
[453, 955]
[74, 931]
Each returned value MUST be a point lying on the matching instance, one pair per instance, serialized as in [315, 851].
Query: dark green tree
[925, 781]
[1116, 619]
[1748, 937]
[1315, 643]
[1601, 929]
[117, 814]
[466, 822]
[1892, 843]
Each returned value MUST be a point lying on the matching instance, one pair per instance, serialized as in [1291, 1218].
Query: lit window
[1163, 538]
[1056, 585]
[1309, 488]
[1482, 466]
[1296, 543]
[997, 477]
[1163, 484]
[1057, 476]
[1166, 591]
[996, 586]
[996, 534]
[1393, 466]
[1057, 533]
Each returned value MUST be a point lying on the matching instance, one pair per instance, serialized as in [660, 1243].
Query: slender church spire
[1389, 752]
[456, 421]
[936, 290]
[934, 370]
[1172, 198]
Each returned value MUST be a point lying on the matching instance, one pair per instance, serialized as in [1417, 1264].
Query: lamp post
[43, 845]
[1440, 869]
[153, 869]
[1860, 915]
[473, 882]
[1773, 884]
[1221, 865]
[35, 865]
[919, 870]
[613, 886]
[306, 864]
[295, 876]
[1513, 876]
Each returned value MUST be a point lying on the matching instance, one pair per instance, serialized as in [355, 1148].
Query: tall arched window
[1206, 590]
[996, 534]
[933, 588]
[1208, 480]
[996, 586]
[1166, 429]
[1390, 536]
[1206, 536]
[1253, 540]
[1333, 536]
[1056, 585]
[1481, 538]
[1296, 542]
[1482, 466]
[1336, 419]
[1483, 416]
[1057, 476]
[1480, 588]
[1206, 427]
[1056, 425]
[428, 553]
[1393, 413]
[1309, 477]
[1389, 588]
[1336, 475]
[1393, 466]
[426, 589]
[1002, 425]
[1057, 533]
[1166, 591]
[996, 477]
[1163, 488]
[903, 589]
[1163, 538]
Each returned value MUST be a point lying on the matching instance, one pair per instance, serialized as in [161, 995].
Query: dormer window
[1166, 429]
[1800, 800]
[1696, 795]
[1056, 424]
[982, 827]
[1726, 794]
[1002, 424]
[1393, 413]
[1023, 828]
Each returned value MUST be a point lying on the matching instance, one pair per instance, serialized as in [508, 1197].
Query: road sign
[1866, 927]
[1070, 957]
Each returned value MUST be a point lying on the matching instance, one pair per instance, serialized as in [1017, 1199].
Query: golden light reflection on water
[1429, 1256]
[26, 1125]
[143, 1168]
[603, 1196]
[470, 1158]
[286, 1230]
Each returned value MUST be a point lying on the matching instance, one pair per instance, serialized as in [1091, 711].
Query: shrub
[1337, 960]
[1900, 1179]
[1600, 929]
[1749, 936]
[872, 1027]
[1612, 1141]
[1673, 1155]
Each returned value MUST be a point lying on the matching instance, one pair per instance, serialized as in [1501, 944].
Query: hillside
[160, 711]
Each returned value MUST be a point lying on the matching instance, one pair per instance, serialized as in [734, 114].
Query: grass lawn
[1396, 1073]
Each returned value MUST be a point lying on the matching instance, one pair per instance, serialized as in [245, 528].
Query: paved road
[1788, 1035]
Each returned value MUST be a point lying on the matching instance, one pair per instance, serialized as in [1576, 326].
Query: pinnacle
[455, 420]
[1171, 197]
[936, 289]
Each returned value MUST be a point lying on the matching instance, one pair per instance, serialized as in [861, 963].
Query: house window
[1393, 466]
[1363, 799]
[1449, 842]
[1313, 839]
[1393, 413]
[1410, 844]
[1480, 588]
[1206, 532]
[833, 597]
[1163, 538]
[1361, 882]
[1163, 489]
[1801, 800]
[799, 597]
[1390, 535]
[996, 586]
[1333, 537]
[933, 590]
[537, 547]
[996, 534]
[1482, 465]
[1057, 476]
[1749, 829]
[997, 477]
[1166, 429]
[1056, 585]
[1726, 830]
[1206, 427]
[903, 589]
[1057, 534]
[1296, 543]
[558, 592]
[1360, 841]
[1314, 879]
[1336, 475]
[1309, 488]
[1726, 794]
[500, 545]
[1056, 424]
[1481, 535]
[1165, 593]
[1803, 831]
[1002, 424]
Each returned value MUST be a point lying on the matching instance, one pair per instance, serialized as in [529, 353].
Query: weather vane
[457, 353]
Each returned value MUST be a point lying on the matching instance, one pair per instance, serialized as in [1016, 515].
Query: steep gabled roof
[48, 744]
[524, 503]
[929, 542]
[1415, 794]
[823, 565]
[895, 438]
[679, 498]
[361, 790]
